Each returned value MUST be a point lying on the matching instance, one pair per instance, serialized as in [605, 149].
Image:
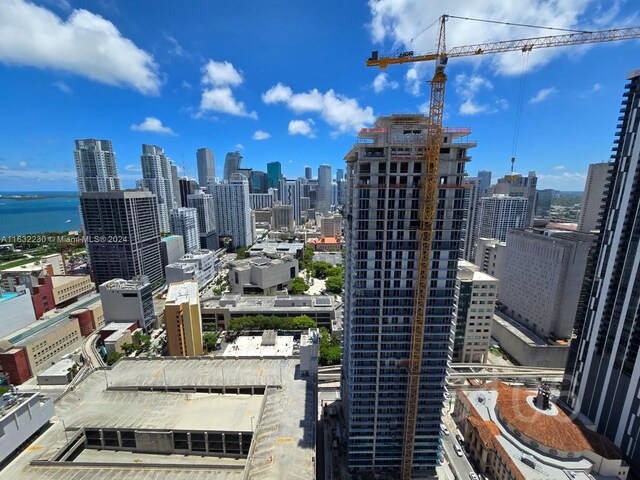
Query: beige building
[68, 287]
[331, 225]
[183, 320]
[262, 275]
[519, 434]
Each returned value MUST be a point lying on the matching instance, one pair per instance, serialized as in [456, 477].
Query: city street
[460, 465]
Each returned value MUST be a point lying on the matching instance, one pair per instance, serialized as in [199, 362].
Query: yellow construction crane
[429, 193]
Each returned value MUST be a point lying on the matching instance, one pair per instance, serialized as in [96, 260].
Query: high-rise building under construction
[384, 173]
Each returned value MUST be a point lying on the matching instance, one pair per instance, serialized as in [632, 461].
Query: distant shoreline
[36, 196]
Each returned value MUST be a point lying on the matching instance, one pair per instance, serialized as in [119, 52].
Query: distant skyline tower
[517, 185]
[203, 203]
[601, 382]
[96, 166]
[382, 241]
[232, 163]
[274, 173]
[188, 186]
[339, 174]
[233, 210]
[500, 213]
[323, 201]
[290, 195]
[158, 178]
[485, 181]
[206, 166]
[593, 196]
[124, 224]
[184, 222]
[471, 208]
[308, 173]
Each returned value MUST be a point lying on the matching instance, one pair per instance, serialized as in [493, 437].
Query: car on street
[458, 450]
[473, 476]
[444, 429]
[459, 439]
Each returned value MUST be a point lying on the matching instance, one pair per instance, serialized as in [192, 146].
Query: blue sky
[286, 80]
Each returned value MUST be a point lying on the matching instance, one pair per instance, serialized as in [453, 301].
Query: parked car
[459, 439]
[444, 429]
[458, 450]
[473, 476]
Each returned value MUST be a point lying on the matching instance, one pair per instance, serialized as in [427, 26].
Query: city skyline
[176, 91]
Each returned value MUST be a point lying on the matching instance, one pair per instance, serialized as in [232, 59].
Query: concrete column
[240, 442]
[189, 442]
[224, 443]
[206, 440]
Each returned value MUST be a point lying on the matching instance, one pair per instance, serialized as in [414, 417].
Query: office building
[262, 275]
[199, 265]
[258, 182]
[184, 222]
[477, 294]
[308, 173]
[175, 418]
[516, 185]
[593, 197]
[471, 215]
[157, 178]
[490, 255]
[384, 171]
[274, 173]
[517, 434]
[543, 202]
[124, 225]
[339, 174]
[260, 201]
[171, 249]
[485, 181]
[290, 195]
[188, 186]
[282, 218]
[323, 202]
[175, 181]
[342, 191]
[183, 321]
[204, 205]
[96, 166]
[206, 167]
[331, 225]
[233, 211]
[499, 214]
[541, 280]
[128, 300]
[232, 163]
[601, 380]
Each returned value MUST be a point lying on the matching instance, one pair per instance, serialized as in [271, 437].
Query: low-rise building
[200, 266]
[89, 319]
[183, 321]
[327, 244]
[331, 225]
[262, 275]
[277, 248]
[67, 288]
[22, 416]
[60, 373]
[267, 345]
[519, 434]
[217, 312]
[128, 300]
[477, 293]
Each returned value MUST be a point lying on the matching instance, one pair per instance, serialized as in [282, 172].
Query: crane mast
[429, 185]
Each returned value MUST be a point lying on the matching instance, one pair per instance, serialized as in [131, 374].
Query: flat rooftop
[8, 296]
[61, 280]
[183, 292]
[252, 347]
[172, 395]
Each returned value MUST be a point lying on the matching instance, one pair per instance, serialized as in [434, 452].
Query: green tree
[113, 357]
[210, 339]
[141, 340]
[128, 348]
[334, 285]
[298, 286]
[242, 253]
[330, 351]
[307, 258]
[264, 322]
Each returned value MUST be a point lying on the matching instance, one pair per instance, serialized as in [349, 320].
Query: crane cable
[519, 24]
[523, 79]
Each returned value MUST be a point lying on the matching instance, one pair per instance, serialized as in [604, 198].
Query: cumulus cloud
[133, 168]
[22, 164]
[559, 167]
[468, 88]
[302, 127]
[382, 83]
[261, 135]
[397, 22]
[341, 112]
[85, 44]
[543, 94]
[217, 96]
[154, 125]
[239, 146]
[63, 87]
[562, 181]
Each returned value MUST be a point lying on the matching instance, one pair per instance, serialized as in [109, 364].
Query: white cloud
[133, 168]
[382, 83]
[468, 87]
[31, 174]
[221, 74]
[154, 125]
[562, 181]
[218, 78]
[63, 87]
[186, 85]
[302, 127]
[341, 112]
[543, 94]
[261, 135]
[22, 164]
[424, 108]
[239, 146]
[397, 23]
[85, 44]
[176, 49]
[559, 167]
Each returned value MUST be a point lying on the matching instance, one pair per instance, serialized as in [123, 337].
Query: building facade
[485, 181]
[282, 218]
[517, 185]
[601, 379]
[206, 166]
[233, 211]
[594, 195]
[384, 172]
[96, 166]
[290, 195]
[183, 320]
[157, 178]
[128, 300]
[125, 235]
[323, 201]
[171, 249]
[232, 163]
[262, 275]
[499, 214]
[185, 222]
[274, 173]
[203, 203]
[471, 207]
